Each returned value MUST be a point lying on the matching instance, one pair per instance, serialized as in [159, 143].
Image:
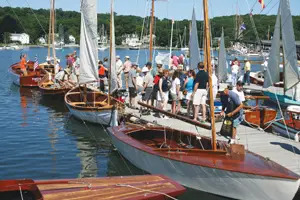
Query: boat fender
[133, 119]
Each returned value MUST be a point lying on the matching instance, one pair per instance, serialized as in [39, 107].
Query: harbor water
[41, 140]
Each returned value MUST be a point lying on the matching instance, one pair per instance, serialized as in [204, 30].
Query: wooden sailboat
[48, 84]
[203, 163]
[31, 79]
[155, 187]
[290, 66]
[290, 126]
[84, 102]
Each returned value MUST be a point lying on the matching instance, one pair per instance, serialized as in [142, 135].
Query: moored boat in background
[290, 126]
[31, 79]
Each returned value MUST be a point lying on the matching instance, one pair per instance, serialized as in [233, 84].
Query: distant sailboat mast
[112, 79]
[53, 31]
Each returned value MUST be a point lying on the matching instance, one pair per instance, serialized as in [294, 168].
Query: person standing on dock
[23, 65]
[233, 108]
[200, 92]
[119, 67]
[147, 86]
[126, 68]
[247, 71]
[132, 85]
[174, 91]
[163, 92]
[156, 82]
[234, 72]
[188, 89]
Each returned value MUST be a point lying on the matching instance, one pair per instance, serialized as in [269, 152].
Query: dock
[284, 151]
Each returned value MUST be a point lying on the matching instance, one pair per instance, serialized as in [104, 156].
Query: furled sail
[88, 42]
[272, 73]
[112, 71]
[222, 65]
[291, 73]
[194, 44]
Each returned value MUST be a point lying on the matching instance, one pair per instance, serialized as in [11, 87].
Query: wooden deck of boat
[285, 152]
[121, 188]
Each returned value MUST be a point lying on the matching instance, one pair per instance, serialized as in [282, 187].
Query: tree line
[19, 20]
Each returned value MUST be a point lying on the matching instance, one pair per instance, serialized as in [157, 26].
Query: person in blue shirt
[188, 89]
[233, 108]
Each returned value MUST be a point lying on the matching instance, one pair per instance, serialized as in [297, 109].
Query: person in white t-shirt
[119, 67]
[239, 91]
[174, 91]
[234, 73]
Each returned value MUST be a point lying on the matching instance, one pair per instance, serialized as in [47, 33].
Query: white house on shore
[23, 38]
[42, 40]
[72, 39]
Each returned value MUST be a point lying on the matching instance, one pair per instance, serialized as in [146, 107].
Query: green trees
[18, 20]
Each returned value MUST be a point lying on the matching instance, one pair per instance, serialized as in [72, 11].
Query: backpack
[166, 84]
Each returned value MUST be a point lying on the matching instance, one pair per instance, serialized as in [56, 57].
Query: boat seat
[102, 103]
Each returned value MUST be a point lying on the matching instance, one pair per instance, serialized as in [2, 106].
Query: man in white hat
[126, 68]
[119, 68]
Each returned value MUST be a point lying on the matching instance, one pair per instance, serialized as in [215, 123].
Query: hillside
[17, 20]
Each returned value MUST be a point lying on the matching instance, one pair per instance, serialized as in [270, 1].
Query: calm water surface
[41, 140]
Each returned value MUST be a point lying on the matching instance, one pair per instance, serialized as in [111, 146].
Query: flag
[36, 63]
[243, 27]
[262, 2]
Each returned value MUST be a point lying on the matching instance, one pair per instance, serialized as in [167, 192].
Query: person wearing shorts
[132, 86]
[188, 87]
[163, 92]
[147, 85]
[200, 92]
[233, 107]
[174, 91]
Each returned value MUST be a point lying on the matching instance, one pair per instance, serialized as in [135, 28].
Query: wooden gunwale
[252, 163]
[89, 108]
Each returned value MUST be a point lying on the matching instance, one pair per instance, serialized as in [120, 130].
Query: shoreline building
[22, 38]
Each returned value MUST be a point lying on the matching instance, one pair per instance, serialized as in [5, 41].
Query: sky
[172, 9]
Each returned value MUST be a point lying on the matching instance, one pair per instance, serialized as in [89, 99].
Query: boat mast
[209, 67]
[110, 49]
[53, 31]
[171, 41]
[151, 32]
[50, 27]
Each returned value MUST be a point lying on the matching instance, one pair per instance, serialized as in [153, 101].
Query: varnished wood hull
[95, 109]
[260, 117]
[224, 182]
[133, 187]
[31, 80]
[54, 92]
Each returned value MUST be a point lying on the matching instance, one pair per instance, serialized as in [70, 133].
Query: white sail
[272, 73]
[291, 73]
[88, 42]
[112, 71]
[222, 63]
[194, 44]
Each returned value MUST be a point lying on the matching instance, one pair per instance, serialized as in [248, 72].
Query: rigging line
[36, 17]
[142, 32]
[260, 19]
[281, 113]
[145, 190]
[17, 16]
